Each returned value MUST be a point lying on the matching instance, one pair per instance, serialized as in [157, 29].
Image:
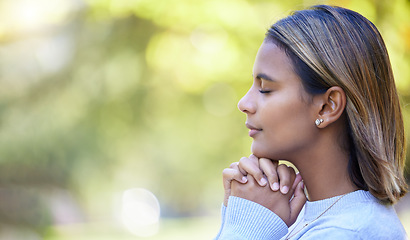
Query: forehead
[273, 61]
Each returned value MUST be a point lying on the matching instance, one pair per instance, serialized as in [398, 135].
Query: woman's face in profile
[280, 117]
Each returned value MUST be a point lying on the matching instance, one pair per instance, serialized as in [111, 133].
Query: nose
[247, 104]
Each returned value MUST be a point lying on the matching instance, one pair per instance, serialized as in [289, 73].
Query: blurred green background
[101, 96]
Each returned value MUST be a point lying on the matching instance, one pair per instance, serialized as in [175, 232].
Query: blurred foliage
[100, 96]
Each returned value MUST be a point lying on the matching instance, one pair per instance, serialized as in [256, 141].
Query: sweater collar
[315, 208]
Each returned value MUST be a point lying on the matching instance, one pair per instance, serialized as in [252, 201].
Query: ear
[331, 105]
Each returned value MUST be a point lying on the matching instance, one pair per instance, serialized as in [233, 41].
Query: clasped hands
[268, 183]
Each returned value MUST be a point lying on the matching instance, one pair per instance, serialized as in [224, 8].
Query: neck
[325, 172]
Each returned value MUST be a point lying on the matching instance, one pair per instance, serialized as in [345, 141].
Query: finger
[269, 169]
[243, 190]
[230, 174]
[298, 201]
[235, 165]
[251, 166]
[287, 176]
[298, 179]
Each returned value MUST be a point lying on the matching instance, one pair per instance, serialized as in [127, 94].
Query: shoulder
[380, 221]
[358, 216]
[371, 220]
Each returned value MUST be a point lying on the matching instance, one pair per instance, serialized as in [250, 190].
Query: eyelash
[264, 91]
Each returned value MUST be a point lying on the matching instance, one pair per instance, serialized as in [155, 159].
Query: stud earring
[318, 121]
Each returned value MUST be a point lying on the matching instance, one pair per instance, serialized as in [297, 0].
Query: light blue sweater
[357, 215]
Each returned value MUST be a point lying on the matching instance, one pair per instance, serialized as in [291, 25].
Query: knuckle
[243, 160]
[253, 159]
[240, 163]
[226, 172]
[265, 161]
[234, 164]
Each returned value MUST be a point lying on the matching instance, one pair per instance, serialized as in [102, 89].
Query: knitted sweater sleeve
[223, 213]
[244, 219]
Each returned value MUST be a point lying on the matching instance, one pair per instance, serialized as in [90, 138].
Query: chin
[261, 152]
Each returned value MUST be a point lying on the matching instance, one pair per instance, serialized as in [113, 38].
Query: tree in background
[100, 96]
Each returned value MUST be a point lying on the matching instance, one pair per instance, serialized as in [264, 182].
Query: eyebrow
[264, 77]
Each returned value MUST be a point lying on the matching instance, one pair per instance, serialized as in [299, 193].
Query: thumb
[230, 174]
[297, 202]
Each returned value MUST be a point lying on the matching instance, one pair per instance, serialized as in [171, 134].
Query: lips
[252, 129]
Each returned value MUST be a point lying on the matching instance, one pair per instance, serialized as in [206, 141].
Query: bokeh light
[140, 212]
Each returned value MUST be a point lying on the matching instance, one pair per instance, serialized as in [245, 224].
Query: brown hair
[334, 46]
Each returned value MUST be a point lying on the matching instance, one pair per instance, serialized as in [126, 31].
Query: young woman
[323, 98]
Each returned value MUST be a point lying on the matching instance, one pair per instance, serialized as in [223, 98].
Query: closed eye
[264, 91]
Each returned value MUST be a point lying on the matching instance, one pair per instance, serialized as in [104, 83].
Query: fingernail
[302, 185]
[284, 189]
[263, 182]
[244, 179]
[275, 186]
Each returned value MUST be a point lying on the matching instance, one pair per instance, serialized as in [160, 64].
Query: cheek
[280, 113]
[286, 131]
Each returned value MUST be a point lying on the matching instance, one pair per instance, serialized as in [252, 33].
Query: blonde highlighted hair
[334, 46]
